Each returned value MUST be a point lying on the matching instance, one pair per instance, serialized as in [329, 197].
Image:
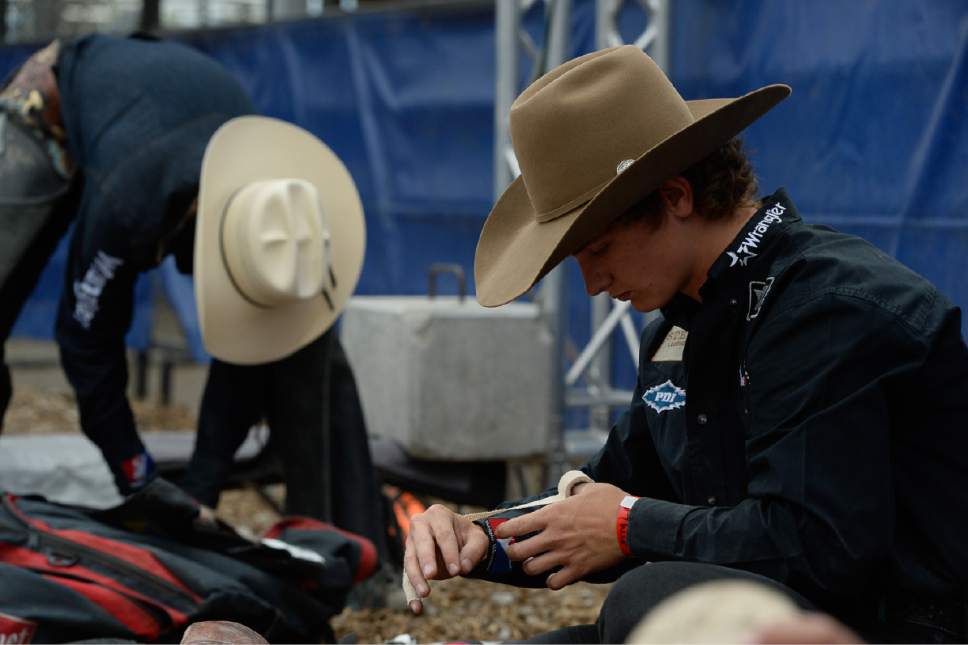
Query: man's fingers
[533, 546]
[449, 550]
[562, 578]
[411, 568]
[435, 543]
[527, 523]
[540, 564]
[475, 546]
[425, 553]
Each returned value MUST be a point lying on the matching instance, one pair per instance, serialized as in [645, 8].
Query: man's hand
[441, 545]
[577, 534]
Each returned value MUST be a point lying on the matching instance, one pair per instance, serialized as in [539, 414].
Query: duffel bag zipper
[37, 538]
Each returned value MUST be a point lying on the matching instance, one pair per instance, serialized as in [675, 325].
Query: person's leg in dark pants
[297, 398]
[641, 589]
[317, 424]
[637, 592]
[233, 401]
[358, 501]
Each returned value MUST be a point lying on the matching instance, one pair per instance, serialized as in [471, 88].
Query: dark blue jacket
[138, 115]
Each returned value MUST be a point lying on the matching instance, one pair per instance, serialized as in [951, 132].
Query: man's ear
[676, 195]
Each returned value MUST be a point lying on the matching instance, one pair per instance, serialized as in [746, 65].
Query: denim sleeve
[817, 427]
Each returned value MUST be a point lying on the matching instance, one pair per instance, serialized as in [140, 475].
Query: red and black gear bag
[144, 572]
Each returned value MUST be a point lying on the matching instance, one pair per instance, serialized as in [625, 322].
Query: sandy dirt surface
[462, 609]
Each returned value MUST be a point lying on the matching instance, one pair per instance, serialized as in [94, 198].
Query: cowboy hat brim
[515, 250]
[254, 148]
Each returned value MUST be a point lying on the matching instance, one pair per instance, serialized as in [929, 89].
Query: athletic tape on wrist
[566, 488]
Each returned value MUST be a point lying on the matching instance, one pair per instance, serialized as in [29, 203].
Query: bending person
[110, 133]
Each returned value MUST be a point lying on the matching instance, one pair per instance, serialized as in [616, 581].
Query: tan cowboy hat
[593, 137]
[278, 243]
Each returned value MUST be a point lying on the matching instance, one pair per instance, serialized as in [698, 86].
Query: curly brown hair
[721, 183]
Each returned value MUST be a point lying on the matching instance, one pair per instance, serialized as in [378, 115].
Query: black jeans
[36, 207]
[641, 589]
[310, 402]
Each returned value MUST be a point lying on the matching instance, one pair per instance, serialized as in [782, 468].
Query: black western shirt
[806, 421]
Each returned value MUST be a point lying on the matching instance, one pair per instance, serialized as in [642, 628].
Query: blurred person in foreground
[799, 415]
[736, 611]
[110, 133]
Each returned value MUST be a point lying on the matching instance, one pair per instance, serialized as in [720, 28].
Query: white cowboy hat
[279, 240]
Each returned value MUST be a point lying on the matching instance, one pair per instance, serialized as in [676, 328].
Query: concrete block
[449, 379]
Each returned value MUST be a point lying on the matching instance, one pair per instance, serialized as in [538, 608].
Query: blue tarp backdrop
[873, 141]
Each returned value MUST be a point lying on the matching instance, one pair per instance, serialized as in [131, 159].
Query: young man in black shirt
[799, 416]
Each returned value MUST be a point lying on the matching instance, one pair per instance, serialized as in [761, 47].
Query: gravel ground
[457, 609]
[463, 609]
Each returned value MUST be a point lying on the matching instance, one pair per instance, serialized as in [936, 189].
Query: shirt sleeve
[820, 508]
[93, 318]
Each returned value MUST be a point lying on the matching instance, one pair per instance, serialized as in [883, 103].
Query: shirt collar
[755, 241]
[749, 252]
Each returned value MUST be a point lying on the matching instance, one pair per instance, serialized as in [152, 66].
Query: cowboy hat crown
[279, 240]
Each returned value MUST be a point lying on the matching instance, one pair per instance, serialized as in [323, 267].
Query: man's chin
[644, 305]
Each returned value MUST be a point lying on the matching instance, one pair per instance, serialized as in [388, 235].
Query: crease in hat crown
[572, 126]
[273, 238]
[282, 256]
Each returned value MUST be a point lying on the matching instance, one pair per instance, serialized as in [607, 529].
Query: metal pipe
[506, 87]
[599, 339]
[553, 290]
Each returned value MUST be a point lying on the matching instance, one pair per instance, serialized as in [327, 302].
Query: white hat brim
[253, 148]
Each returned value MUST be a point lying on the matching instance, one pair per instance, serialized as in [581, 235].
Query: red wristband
[622, 524]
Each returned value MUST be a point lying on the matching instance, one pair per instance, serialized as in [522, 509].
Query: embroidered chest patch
[758, 292]
[667, 396]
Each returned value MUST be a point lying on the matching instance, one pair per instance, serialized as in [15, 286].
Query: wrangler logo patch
[751, 243]
[667, 396]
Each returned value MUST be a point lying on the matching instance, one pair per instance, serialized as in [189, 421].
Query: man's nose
[595, 279]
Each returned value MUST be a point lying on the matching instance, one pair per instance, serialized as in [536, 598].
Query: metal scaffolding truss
[587, 383]
[654, 36]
